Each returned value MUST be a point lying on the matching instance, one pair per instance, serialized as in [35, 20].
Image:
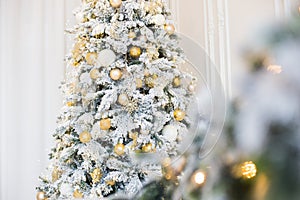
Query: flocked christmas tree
[124, 96]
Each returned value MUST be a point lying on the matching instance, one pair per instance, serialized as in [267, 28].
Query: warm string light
[275, 69]
[199, 178]
[248, 170]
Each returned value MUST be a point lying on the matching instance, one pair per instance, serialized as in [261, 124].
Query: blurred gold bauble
[85, 137]
[41, 196]
[105, 124]
[119, 149]
[94, 74]
[132, 34]
[176, 82]
[139, 83]
[96, 175]
[123, 99]
[170, 29]
[70, 103]
[147, 148]
[115, 3]
[91, 58]
[56, 174]
[77, 194]
[179, 115]
[135, 52]
[111, 182]
[115, 74]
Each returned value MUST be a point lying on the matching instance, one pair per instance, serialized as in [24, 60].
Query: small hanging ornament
[135, 52]
[179, 115]
[111, 182]
[77, 194]
[176, 81]
[115, 3]
[85, 137]
[151, 80]
[115, 74]
[139, 83]
[41, 196]
[192, 87]
[170, 29]
[56, 174]
[70, 103]
[170, 132]
[96, 175]
[105, 124]
[123, 99]
[119, 149]
[131, 35]
[91, 58]
[147, 148]
[94, 74]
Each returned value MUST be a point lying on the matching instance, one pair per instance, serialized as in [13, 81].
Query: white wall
[32, 47]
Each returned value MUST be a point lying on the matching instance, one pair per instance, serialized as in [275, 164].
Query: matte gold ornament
[179, 115]
[77, 194]
[70, 103]
[85, 137]
[94, 74]
[111, 182]
[139, 83]
[56, 174]
[135, 52]
[41, 196]
[115, 74]
[176, 82]
[123, 99]
[91, 58]
[147, 148]
[119, 149]
[132, 35]
[170, 29]
[96, 175]
[115, 3]
[105, 124]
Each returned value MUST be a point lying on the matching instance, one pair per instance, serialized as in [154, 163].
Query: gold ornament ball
[147, 148]
[179, 115]
[70, 103]
[115, 74]
[176, 82]
[135, 52]
[123, 99]
[132, 34]
[170, 29]
[248, 169]
[94, 74]
[111, 182]
[115, 3]
[41, 196]
[85, 137]
[77, 194]
[105, 124]
[91, 58]
[119, 149]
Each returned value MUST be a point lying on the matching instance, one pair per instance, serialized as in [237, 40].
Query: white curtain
[31, 60]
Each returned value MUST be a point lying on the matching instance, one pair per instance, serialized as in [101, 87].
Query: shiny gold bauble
[77, 194]
[115, 74]
[135, 52]
[96, 175]
[179, 115]
[119, 149]
[147, 148]
[91, 58]
[105, 124]
[176, 82]
[115, 3]
[170, 29]
[139, 83]
[41, 196]
[94, 74]
[85, 137]
[123, 99]
[248, 169]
